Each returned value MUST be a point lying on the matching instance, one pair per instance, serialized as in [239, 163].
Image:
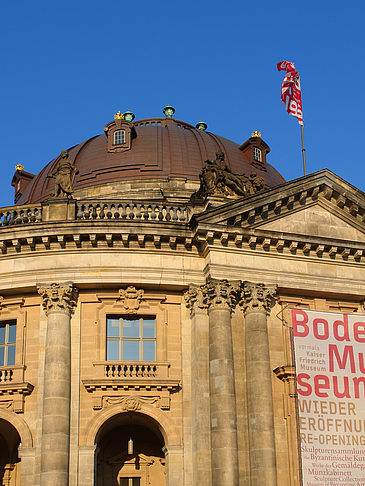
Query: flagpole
[303, 151]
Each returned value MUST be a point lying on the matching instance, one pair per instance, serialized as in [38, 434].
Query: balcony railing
[11, 374]
[119, 210]
[131, 369]
[20, 215]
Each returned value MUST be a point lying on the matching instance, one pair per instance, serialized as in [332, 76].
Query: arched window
[119, 137]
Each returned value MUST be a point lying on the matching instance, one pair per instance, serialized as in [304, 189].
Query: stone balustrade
[20, 215]
[129, 369]
[136, 211]
[11, 374]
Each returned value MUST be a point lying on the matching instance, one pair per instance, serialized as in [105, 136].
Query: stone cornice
[58, 297]
[322, 185]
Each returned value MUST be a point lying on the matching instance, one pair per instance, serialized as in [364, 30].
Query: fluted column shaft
[256, 302]
[200, 401]
[223, 421]
[58, 303]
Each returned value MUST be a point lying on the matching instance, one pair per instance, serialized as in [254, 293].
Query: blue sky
[67, 67]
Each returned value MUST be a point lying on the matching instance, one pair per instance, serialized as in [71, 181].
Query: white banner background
[330, 366]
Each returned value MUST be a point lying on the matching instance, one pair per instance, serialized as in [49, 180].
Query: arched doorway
[142, 466]
[9, 458]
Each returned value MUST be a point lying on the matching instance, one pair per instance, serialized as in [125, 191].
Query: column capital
[195, 298]
[60, 297]
[256, 297]
[221, 294]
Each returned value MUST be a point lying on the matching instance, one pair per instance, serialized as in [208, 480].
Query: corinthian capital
[221, 293]
[256, 297]
[195, 298]
[58, 297]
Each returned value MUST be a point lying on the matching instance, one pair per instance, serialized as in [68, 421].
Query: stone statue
[217, 179]
[254, 183]
[63, 174]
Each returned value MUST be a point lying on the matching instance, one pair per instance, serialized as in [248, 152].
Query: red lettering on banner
[346, 392]
[302, 323]
[357, 382]
[359, 330]
[318, 385]
[347, 351]
[345, 325]
[326, 334]
[300, 382]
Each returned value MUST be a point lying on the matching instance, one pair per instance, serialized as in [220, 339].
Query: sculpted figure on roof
[217, 179]
[63, 173]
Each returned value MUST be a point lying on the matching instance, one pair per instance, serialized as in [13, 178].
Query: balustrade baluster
[123, 213]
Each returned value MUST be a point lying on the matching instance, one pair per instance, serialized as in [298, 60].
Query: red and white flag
[291, 93]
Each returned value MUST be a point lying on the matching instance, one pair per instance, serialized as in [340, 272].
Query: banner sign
[291, 93]
[330, 366]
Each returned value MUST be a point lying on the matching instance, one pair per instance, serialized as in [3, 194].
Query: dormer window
[120, 133]
[119, 137]
[257, 154]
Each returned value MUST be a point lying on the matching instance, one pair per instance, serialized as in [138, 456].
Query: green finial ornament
[202, 126]
[169, 111]
[129, 116]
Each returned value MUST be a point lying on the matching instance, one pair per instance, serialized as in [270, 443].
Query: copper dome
[162, 148]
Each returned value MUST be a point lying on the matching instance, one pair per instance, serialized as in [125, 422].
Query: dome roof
[161, 148]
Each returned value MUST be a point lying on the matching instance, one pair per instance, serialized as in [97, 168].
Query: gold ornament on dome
[256, 133]
[118, 116]
[19, 167]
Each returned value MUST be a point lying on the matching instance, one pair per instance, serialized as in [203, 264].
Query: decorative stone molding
[195, 298]
[13, 388]
[287, 375]
[131, 298]
[134, 403]
[221, 294]
[58, 297]
[256, 297]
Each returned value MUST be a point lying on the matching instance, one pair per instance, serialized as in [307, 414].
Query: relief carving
[134, 403]
[256, 297]
[131, 298]
[58, 297]
[217, 179]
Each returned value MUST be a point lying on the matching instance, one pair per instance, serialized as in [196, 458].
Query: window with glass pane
[130, 338]
[7, 343]
[130, 481]
[119, 137]
[257, 154]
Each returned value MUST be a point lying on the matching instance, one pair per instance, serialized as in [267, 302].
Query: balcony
[131, 383]
[13, 388]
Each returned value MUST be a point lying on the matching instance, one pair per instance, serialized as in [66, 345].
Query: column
[221, 299]
[59, 301]
[200, 401]
[256, 303]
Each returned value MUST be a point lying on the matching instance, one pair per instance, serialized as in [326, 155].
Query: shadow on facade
[118, 466]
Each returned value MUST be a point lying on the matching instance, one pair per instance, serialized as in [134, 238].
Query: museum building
[146, 278]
